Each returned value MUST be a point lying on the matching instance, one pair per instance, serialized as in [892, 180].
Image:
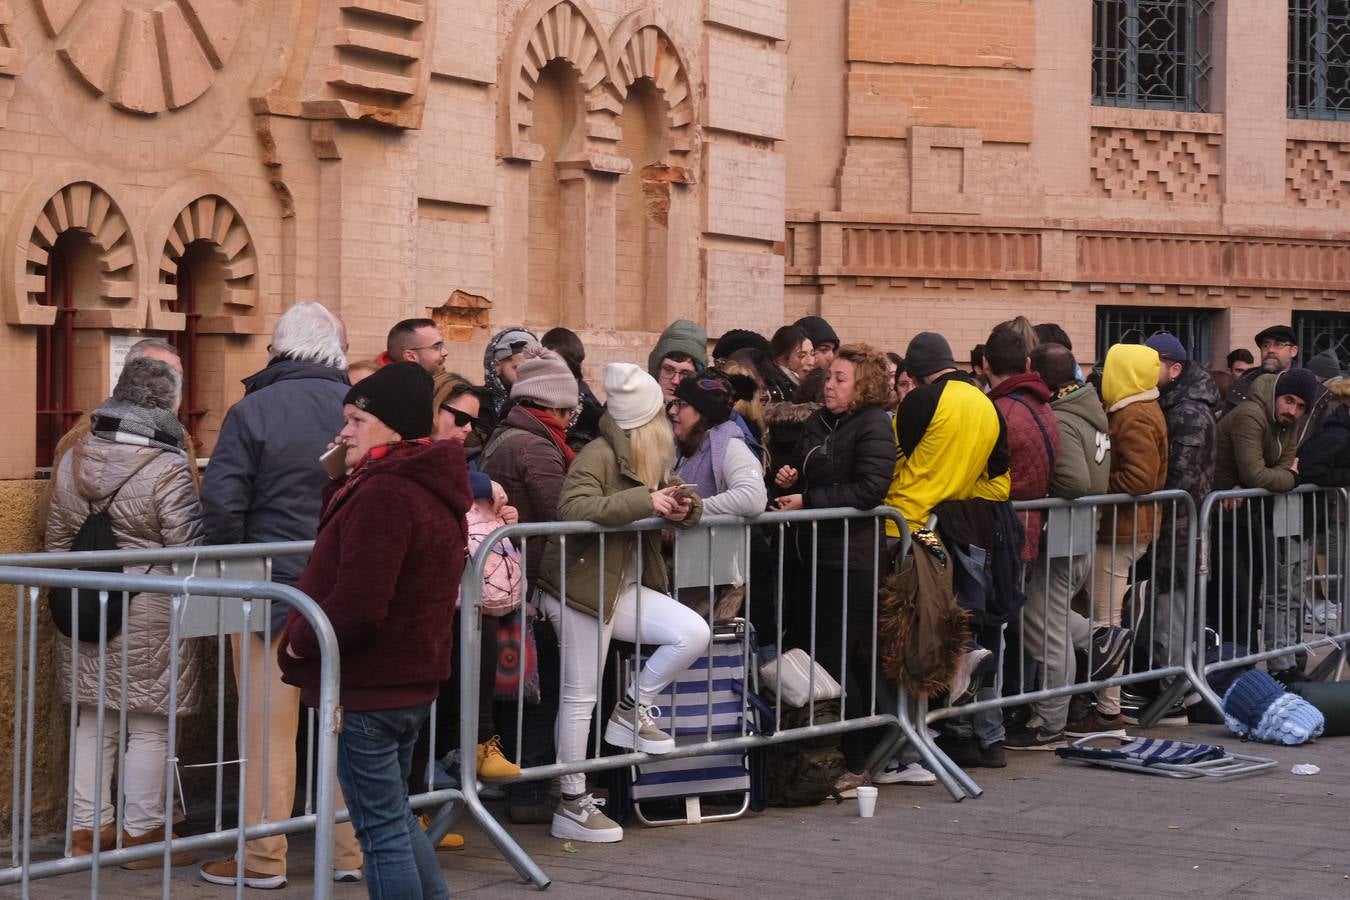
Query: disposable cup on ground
[867, 801]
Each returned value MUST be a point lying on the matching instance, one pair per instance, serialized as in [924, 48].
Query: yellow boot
[451, 841]
[492, 763]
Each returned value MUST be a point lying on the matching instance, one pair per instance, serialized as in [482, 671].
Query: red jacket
[1024, 402]
[385, 569]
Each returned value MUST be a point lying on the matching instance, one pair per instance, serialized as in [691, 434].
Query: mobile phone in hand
[334, 461]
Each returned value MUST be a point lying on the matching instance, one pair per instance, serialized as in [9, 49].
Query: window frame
[1193, 326]
[1197, 48]
[1309, 62]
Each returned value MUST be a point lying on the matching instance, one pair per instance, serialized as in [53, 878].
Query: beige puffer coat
[156, 507]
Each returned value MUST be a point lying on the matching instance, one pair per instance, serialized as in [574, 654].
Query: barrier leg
[957, 782]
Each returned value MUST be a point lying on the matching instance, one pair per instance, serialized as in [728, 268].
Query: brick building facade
[1111, 165]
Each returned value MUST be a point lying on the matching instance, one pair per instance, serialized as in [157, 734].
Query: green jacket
[601, 487]
[1254, 449]
[1083, 466]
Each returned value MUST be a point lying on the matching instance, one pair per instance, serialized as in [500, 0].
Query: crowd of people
[420, 463]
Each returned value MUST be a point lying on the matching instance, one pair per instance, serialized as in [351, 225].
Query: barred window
[1319, 59]
[1134, 325]
[1151, 54]
[1318, 331]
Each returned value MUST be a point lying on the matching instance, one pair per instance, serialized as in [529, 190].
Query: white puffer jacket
[157, 506]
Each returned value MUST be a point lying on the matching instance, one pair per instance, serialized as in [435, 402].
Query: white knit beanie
[632, 396]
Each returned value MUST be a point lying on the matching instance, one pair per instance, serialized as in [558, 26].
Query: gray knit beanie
[928, 353]
[544, 379]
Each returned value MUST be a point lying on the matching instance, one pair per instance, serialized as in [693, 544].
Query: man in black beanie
[823, 339]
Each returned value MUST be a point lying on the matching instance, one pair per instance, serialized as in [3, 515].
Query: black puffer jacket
[1324, 460]
[843, 461]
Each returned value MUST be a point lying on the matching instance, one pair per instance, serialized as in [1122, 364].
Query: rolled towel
[1257, 707]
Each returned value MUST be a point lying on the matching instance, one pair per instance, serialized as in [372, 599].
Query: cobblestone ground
[1044, 828]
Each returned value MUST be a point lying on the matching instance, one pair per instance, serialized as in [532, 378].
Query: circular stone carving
[164, 55]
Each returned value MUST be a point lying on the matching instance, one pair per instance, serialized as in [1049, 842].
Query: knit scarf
[142, 426]
[363, 470]
[703, 467]
[555, 431]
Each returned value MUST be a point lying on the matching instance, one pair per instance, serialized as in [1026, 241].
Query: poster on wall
[118, 345]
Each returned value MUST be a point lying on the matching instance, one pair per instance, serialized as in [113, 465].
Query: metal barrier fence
[809, 580]
[188, 596]
[1281, 590]
[1135, 559]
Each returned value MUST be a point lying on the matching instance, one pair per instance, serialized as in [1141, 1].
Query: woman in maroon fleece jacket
[386, 569]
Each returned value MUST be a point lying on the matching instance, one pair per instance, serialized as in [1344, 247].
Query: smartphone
[334, 461]
[685, 491]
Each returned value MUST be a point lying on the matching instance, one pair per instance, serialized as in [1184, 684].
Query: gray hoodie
[1083, 466]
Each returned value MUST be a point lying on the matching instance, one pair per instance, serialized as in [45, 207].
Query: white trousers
[142, 778]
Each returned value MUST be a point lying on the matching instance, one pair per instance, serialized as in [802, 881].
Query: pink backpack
[502, 574]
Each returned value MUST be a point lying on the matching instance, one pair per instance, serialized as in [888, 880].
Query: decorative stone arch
[545, 31]
[198, 215]
[62, 201]
[642, 48]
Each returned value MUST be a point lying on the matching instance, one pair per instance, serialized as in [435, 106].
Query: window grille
[1134, 325]
[1318, 331]
[1152, 54]
[56, 412]
[1319, 59]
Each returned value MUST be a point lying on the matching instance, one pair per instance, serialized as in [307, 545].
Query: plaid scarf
[363, 470]
[127, 423]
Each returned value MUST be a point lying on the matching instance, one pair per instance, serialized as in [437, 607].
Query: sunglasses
[462, 419]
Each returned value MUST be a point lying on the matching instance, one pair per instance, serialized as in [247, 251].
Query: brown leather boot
[82, 840]
[180, 858]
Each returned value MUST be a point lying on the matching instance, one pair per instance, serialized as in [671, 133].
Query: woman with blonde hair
[619, 478]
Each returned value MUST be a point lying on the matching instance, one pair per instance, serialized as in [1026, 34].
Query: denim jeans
[374, 758]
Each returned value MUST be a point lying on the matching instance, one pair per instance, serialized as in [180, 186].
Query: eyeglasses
[674, 407]
[670, 373]
[462, 419]
[439, 347]
[1272, 344]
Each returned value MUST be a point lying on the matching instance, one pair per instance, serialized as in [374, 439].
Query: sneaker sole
[273, 883]
[1053, 745]
[896, 779]
[620, 735]
[1110, 732]
[565, 829]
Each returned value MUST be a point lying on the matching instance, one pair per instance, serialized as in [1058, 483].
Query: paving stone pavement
[1044, 828]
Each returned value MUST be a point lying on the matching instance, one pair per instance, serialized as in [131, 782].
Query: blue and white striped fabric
[1149, 752]
[688, 722]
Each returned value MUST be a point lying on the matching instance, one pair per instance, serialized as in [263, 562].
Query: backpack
[502, 573]
[803, 773]
[96, 533]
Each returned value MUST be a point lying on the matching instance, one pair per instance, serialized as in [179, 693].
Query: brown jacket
[524, 460]
[157, 506]
[1138, 467]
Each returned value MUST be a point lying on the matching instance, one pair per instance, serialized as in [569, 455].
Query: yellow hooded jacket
[1138, 440]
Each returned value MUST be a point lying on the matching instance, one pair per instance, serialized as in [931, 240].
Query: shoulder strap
[498, 439]
[1045, 435]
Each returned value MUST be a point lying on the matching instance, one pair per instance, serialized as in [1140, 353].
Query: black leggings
[448, 706]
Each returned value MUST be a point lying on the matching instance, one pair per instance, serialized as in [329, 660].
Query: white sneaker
[347, 876]
[970, 661]
[580, 819]
[647, 737]
[895, 773]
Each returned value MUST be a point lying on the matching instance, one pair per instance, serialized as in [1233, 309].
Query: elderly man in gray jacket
[265, 483]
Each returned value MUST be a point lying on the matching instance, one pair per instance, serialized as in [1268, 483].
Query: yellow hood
[1130, 369]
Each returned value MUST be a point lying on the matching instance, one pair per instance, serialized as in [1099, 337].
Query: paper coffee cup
[867, 801]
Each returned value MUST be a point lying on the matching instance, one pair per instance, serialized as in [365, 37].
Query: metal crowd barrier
[727, 536]
[199, 607]
[1049, 632]
[1272, 586]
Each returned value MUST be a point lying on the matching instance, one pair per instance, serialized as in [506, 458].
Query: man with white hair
[265, 483]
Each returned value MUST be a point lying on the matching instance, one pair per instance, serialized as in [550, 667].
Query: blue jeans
[374, 758]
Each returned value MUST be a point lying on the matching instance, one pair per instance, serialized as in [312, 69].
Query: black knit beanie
[740, 339]
[399, 395]
[711, 393]
[1300, 383]
[818, 330]
[927, 353]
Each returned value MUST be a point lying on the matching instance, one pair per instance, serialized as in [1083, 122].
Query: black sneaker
[1110, 643]
[1038, 738]
[993, 757]
[1290, 676]
[965, 752]
[1133, 706]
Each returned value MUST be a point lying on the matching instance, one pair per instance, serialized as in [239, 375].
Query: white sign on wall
[118, 345]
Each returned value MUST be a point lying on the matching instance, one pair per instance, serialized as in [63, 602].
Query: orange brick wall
[886, 102]
[976, 33]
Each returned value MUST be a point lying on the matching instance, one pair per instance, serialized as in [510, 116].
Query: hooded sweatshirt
[1324, 459]
[1083, 467]
[499, 391]
[682, 336]
[1138, 440]
[385, 570]
[1033, 446]
[1254, 449]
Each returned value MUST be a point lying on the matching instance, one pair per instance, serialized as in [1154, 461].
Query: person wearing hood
[591, 595]
[134, 466]
[1023, 400]
[1138, 467]
[824, 342]
[1324, 459]
[1326, 368]
[265, 483]
[1189, 398]
[385, 570]
[503, 356]
[680, 351]
[1257, 446]
[1082, 469]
